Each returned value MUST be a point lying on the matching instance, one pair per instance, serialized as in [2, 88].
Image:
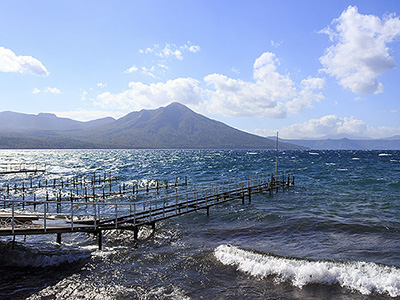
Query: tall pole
[276, 162]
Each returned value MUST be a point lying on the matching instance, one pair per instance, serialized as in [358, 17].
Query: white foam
[313, 153]
[361, 276]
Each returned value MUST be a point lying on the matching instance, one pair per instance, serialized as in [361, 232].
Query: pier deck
[123, 208]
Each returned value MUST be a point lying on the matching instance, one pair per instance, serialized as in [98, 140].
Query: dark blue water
[334, 235]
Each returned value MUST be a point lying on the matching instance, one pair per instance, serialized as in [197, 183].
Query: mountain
[349, 144]
[172, 127]
[17, 122]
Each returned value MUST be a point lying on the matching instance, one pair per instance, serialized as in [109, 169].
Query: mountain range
[172, 127]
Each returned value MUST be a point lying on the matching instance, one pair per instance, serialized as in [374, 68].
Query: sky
[308, 69]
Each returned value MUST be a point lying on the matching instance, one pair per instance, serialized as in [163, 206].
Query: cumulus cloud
[131, 69]
[10, 62]
[269, 95]
[139, 95]
[331, 126]
[101, 85]
[360, 52]
[306, 96]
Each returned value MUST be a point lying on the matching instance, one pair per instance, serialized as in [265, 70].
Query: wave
[25, 257]
[364, 277]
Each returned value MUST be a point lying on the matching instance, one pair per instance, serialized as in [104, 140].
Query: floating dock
[97, 203]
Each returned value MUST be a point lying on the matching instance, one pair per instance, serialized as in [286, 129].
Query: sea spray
[364, 277]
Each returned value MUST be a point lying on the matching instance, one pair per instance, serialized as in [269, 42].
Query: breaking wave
[364, 277]
[25, 257]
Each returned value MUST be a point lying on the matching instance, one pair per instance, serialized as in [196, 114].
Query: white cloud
[276, 44]
[331, 126]
[9, 62]
[101, 85]
[360, 53]
[131, 69]
[171, 50]
[46, 90]
[236, 71]
[51, 90]
[306, 95]
[269, 95]
[163, 66]
[84, 95]
[149, 71]
[139, 95]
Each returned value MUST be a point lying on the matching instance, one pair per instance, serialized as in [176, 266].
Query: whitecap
[313, 153]
[385, 154]
[364, 277]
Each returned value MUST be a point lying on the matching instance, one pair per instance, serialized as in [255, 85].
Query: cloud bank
[331, 126]
[269, 95]
[360, 52]
[10, 62]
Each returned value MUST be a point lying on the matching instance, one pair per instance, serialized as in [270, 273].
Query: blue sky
[306, 68]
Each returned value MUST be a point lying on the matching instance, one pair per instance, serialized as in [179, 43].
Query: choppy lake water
[334, 235]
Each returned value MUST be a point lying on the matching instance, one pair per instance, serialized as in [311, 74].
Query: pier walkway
[71, 206]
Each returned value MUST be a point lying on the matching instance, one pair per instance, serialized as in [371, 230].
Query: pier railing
[124, 208]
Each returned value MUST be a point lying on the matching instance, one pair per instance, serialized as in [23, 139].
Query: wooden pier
[94, 205]
[10, 168]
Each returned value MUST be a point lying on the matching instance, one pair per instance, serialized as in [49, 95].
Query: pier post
[100, 239]
[135, 233]
[58, 240]
[249, 195]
